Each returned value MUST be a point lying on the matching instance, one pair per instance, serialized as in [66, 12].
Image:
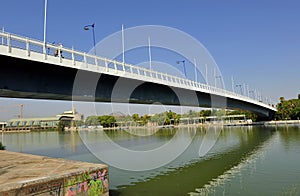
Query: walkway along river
[244, 161]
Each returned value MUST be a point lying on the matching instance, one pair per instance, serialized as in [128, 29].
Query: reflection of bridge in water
[30, 70]
[235, 146]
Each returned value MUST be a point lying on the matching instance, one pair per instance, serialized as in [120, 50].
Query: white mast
[150, 58]
[206, 74]
[232, 83]
[123, 45]
[45, 25]
[195, 64]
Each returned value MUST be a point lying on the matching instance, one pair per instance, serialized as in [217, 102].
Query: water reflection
[271, 169]
[289, 136]
[243, 160]
[130, 152]
[233, 145]
[53, 144]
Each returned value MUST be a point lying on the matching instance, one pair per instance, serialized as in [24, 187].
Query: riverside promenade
[25, 174]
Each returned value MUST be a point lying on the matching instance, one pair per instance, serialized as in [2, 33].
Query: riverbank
[283, 122]
[26, 174]
[217, 123]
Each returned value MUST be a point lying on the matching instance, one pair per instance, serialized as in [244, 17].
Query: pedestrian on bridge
[57, 51]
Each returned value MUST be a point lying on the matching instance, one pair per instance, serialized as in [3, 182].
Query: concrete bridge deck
[29, 71]
[25, 174]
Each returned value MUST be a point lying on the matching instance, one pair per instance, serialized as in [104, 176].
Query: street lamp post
[183, 62]
[241, 90]
[218, 77]
[45, 26]
[87, 27]
[232, 84]
[252, 92]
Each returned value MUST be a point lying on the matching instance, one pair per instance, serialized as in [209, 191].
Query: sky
[255, 42]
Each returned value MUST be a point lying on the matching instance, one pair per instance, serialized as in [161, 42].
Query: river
[254, 160]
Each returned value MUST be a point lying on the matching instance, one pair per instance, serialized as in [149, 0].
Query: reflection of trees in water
[141, 136]
[289, 135]
[199, 172]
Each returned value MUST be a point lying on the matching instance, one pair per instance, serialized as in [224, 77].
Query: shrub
[2, 147]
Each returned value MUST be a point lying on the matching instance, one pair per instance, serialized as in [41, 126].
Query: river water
[217, 161]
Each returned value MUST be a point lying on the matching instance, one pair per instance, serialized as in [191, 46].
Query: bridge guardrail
[110, 66]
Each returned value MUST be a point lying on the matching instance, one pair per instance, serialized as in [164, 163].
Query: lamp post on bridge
[183, 62]
[87, 27]
[45, 26]
[232, 84]
[241, 90]
[252, 94]
[217, 77]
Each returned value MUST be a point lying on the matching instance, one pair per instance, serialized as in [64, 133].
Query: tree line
[105, 121]
[164, 118]
[288, 109]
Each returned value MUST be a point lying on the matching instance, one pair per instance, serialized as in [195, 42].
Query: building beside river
[68, 118]
[2, 125]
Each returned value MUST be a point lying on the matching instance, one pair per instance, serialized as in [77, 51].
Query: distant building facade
[43, 123]
[2, 125]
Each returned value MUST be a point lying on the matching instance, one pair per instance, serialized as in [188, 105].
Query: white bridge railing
[23, 47]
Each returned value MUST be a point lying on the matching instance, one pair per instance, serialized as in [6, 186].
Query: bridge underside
[21, 78]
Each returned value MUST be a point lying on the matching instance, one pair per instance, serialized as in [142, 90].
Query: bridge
[29, 69]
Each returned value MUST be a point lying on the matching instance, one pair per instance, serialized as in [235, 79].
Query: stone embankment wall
[24, 174]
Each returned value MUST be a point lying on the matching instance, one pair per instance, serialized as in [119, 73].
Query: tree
[2, 147]
[92, 121]
[144, 119]
[135, 117]
[298, 96]
[219, 113]
[123, 118]
[62, 124]
[107, 121]
[171, 118]
[288, 109]
[78, 123]
[205, 113]
[249, 115]
[158, 118]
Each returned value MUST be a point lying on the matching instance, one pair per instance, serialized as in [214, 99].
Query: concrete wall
[89, 183]
[24, 174]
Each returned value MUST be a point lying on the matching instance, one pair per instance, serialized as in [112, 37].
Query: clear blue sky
[257, 42]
